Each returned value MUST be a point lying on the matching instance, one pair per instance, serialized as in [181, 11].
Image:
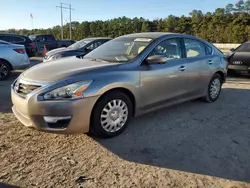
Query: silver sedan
[12, 56]
[125, 77]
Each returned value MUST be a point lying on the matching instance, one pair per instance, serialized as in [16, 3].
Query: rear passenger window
[19, 39]
[194, 48]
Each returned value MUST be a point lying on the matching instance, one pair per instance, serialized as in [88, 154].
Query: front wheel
[111, 115]
[214, 88]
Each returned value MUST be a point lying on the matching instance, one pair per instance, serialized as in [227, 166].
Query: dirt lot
[194, 144]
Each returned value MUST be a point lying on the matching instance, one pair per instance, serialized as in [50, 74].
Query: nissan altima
[125, 77]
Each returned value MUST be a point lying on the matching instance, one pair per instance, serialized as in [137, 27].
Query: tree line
[225, 25]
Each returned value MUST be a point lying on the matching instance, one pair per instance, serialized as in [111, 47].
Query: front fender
[129, 81]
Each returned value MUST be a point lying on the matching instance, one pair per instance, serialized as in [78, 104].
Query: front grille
[24, 89]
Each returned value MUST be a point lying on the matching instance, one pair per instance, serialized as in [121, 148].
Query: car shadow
[209, 139]
[3, 185]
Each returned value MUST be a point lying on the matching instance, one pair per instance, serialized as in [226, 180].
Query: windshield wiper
[97, 59]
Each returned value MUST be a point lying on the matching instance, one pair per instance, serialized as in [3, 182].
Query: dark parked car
[239, 59]
[49, 41]
[20, 39]
[79, 48]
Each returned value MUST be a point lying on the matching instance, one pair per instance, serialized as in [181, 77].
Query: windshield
[244, 48]
[79, 44]
[121, 49]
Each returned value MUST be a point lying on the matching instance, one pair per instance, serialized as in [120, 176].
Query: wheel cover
[215, 88]
[3, 70]
[114, 115]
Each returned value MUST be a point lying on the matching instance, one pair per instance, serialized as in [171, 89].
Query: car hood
[62, 69]
[58, 50]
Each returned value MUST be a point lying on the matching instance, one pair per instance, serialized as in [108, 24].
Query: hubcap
[114, 115]
[215, 88]
[3, 70]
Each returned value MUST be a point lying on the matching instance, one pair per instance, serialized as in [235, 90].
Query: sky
[16, 13]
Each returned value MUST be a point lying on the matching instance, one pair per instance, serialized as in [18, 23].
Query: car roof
[12, 34]
[152, 35]
[155, 35]
[97, 38]
[36, 35]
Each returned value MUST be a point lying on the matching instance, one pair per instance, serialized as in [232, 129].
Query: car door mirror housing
[156, 59]
[232, 49]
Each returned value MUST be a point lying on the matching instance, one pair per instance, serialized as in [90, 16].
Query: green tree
[145, 27]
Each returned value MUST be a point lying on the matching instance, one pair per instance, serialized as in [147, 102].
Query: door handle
[182, 68]
[210, 62]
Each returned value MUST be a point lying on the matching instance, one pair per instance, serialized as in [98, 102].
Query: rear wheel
[214, 88]
[111, 115]
[4, 70]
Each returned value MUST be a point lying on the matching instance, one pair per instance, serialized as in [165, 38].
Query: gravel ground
[194, 144]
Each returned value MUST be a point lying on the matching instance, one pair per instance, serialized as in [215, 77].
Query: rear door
[199, 60]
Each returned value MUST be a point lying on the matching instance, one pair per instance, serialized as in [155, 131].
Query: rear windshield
[243, 48]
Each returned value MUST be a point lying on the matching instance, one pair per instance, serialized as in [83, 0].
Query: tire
[209, 96]
[4, 70]
[97, 126]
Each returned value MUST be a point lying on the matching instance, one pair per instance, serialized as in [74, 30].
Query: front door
[163, 83]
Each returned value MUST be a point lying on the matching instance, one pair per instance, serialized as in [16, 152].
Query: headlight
[72, 91]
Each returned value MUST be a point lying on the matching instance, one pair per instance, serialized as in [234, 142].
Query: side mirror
[156, 59]
[232, 49]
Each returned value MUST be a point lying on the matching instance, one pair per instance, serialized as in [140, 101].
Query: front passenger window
[170, 48]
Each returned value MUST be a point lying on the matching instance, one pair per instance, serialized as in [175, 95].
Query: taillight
[20, 51]
[32, 44]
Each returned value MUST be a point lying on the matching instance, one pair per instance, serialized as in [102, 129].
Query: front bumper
[31, 112]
